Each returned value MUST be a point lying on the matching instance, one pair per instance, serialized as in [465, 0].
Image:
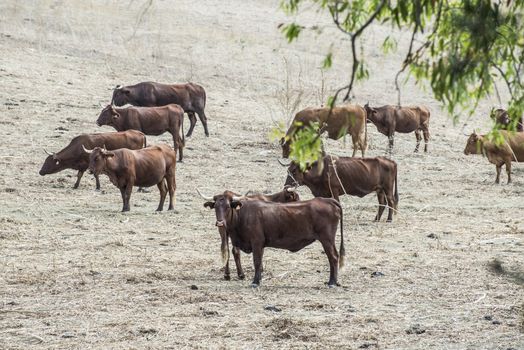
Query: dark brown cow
[74, 157]
[390, 119]
[348, 119]
[149, 120]
[501, 117]
[253, 225]
[154, 165]
[191, 97]
[511, 150]
[288, 194]
[358, 177]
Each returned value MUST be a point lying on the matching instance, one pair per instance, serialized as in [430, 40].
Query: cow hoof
[97, 189]
[125, 210]
[389, 220]
[241, 277]
[254, 285]
[227, 277]
[171, 208]
[332, 285]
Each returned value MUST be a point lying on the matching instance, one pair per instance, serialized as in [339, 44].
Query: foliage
[466, 47]
[306, 145]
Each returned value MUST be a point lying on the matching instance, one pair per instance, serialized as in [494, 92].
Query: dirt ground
[77, 273]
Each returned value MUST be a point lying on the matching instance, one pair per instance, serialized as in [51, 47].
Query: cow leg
[178, 144]
[508, 170]
[227, 274]
[162, 187]
[171, 186]
[192, 122]
[78, 177]
[426, 139]
[391, 139]
[332, 254]
[499, 166]
[236, 255]
[203, 119]
[258, 252]
[125, 197]
[381, 204]
[391, 205]
[97, 180]
[419, 137]
[355, 144]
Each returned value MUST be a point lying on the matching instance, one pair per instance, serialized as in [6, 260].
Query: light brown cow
[347, 119]
[511, 150]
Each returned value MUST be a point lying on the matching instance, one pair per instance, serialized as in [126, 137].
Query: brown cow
[390, 119]
[501, 117]
[150, 120]
[74, 157]
[348, 119]
[353, 176]
[191, 97]
[288, 194]
[511, 150]
[254, 225]
[154, 165]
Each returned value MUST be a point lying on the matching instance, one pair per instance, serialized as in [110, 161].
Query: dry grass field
[77, 273]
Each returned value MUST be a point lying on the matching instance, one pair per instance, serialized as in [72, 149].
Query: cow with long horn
[253, 225]
[73, 156]
[288, 194]
[154, 165]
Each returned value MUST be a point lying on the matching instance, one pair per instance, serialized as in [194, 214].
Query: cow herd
[253, 222]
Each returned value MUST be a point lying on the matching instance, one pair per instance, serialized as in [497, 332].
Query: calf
[501, 117]
[390, 119]
[337, 176]
[288, 194]
[191, 97]
[348, 119]
[154, 165]
[74, 157]
[253, 225]
[149, 120]
[511, 150]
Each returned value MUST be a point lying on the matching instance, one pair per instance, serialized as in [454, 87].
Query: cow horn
[88, 151]
[291, 189]
[207, 198]
[48, 153]
[237, 198]
[284, 164]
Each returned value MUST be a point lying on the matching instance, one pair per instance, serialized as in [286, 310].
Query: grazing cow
[253, 225]
[501, 117]
[389, 119]
[288, 194]
[348, 119]
[353, 176]
[74, 157]
[511, 150]
[149, 120]
[154, 165]
[191, 97]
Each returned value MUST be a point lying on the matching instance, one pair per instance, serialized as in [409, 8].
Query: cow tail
[145, 141]
[396, 190]
[183, 135]
[342, 250]
[365, 134]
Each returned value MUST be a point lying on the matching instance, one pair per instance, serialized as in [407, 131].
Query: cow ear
[115, 115]
[236, 205]
[210, 205]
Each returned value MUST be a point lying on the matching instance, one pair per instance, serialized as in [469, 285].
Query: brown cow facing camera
[191, 97]
[288, 194]
[154, 165]
[254, 225]
[74, 157]
[149, 120]
[390, 119]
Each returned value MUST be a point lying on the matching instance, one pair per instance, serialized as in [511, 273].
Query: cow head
[290, 194]
[371, 113]
[108, 116]
[500, 116]
[473, 145]
[97, 159]
[121, 96]
[284, 143]
[52, 164]
[223, 204]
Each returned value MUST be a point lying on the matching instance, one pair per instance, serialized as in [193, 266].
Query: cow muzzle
[220, 223]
